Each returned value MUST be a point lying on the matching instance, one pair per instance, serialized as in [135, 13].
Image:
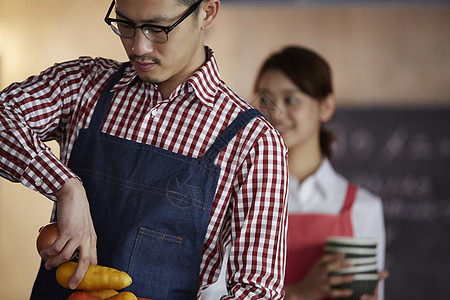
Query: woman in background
[295, 93]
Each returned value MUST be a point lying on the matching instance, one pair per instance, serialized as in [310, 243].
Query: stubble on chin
[148, 79]
[146, 58]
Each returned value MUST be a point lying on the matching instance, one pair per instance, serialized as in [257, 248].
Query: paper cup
[352, 252]
[363, 284]
[370, 268]
[361, 260]
[343, 241]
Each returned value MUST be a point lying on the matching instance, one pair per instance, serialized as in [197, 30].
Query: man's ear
[210, 8]
[327, 108]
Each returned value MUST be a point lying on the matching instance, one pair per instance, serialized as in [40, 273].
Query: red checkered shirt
[249, 210]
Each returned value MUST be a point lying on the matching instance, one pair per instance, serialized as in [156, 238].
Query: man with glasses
[162, 167]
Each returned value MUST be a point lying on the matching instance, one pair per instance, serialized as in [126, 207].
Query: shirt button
[38, 182]
[154, 112]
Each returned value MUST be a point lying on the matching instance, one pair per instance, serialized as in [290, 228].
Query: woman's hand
[76, 231]
[381, 276]
[317, 284]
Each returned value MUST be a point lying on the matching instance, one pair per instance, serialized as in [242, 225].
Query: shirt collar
[204, 82]
[325, 179]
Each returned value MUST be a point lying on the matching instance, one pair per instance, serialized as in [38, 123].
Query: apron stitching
[136, 247]
[145, 147]
[143, 188]
[160, 235]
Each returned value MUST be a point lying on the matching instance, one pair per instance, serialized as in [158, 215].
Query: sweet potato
[123, 296]
[102, 294]
[95, 278]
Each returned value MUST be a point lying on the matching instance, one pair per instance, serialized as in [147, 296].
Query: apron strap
[349, 198]
[229, 133]
[103, 103]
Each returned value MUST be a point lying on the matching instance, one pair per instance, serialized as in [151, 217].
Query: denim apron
[150, 207]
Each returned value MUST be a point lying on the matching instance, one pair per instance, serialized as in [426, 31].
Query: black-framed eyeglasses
[155, 33]
[266, 105]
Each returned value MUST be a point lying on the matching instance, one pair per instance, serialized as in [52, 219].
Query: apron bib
[150, 207]
[307, 234]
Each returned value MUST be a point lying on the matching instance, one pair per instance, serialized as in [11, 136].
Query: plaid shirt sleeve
[32, 112]
[257, 256]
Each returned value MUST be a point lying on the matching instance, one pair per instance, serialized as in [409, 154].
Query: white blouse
[324, 192]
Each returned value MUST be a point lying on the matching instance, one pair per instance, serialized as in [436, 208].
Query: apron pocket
[153, 263]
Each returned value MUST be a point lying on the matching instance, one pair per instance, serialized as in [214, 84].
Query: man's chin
[149, 79]
[146, 76]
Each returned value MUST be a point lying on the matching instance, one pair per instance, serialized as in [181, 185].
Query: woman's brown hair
[311, 73]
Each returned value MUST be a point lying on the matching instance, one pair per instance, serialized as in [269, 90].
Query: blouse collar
[326, 179]
[322, 181]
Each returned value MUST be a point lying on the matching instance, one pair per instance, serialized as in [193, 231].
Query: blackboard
[403, 155]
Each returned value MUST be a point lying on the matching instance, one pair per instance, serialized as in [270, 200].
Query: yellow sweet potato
[95, 278]
[123, 296]
[102, 294]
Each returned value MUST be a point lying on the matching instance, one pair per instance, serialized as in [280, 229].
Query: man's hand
[76, 231]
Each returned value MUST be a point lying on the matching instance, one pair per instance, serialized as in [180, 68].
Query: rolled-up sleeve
[32, 112]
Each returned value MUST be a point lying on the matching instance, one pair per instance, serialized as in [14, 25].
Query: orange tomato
[47, 236]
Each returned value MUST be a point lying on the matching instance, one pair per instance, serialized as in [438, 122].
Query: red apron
[307, 234]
